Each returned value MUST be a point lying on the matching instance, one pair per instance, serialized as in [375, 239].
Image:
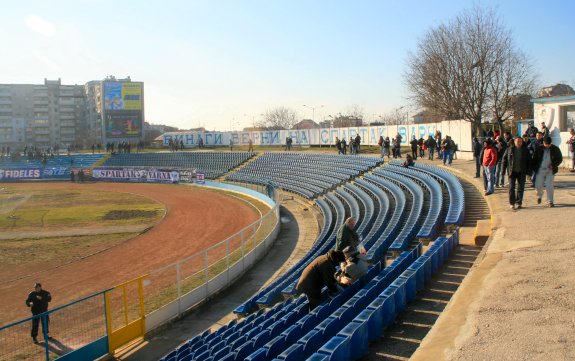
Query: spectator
[343, 146]
[386, 146]
[501, 146]
[413, 144]
[408, 161]
[398, 139]
[72, 176]
[531, 131]
[421, 145]
[544, 130]
[347, 236]
[571, 145]
[476, 155]
[81, 176]
[546, 161]
[489, 162]
[518, 163]
[357, 143]
[431, 145]
[338, 145]
[448, 146]
[319, 273]
[231, 144]
[250, 145]
[38, 302]
[380, 143]
[354, 267]
[533, 146]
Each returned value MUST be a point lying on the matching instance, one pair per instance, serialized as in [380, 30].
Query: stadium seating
[395, 206]
[212, 164]
[76, 161]
[309, 175]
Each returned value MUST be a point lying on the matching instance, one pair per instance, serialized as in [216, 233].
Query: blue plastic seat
[338, 348]
[293, 353]
[357, 332]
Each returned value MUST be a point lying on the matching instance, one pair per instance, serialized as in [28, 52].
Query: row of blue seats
[456, 210]
[381, 210]
[235, 334]
[337, 313]
[212, 164]
[377, 246]
[344, 326]
[414, 220]
[288, 185]
[367, 205]
[77, 160]
[435, 208]
[352, 342]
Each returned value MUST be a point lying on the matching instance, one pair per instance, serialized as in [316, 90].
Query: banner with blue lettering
[143, 175]
[459, 130]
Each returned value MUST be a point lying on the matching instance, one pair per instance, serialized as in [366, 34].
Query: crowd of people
[532, 156]
[445, 147]
[354, 145]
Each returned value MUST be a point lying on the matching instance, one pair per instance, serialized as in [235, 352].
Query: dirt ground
[195, 219]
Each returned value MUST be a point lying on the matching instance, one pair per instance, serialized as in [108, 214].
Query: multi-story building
[53, 114]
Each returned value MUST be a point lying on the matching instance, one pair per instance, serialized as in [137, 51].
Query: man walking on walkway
[546, 161]
[518, 163]
[489, 161]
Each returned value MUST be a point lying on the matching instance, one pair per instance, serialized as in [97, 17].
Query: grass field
[40, 227]
[27, 208]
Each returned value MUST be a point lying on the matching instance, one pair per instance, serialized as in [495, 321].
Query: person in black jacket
[501, 146]
[477, 147]
[413, 144]
[320, 272]
[518, 164]
[38, 302]
[546, 161]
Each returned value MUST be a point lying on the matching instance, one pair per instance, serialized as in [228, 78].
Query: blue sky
[221, 64]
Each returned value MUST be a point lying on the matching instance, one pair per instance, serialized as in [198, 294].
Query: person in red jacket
[489, 162]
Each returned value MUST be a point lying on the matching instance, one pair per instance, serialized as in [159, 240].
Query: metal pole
[206, 265]
[179, 280]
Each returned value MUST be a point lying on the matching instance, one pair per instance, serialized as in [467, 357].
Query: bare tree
[461, 68]
[278, 118]
[355, 111]
[512, 77]
[394, 117]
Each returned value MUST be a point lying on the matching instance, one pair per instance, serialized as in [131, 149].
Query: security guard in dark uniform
[38, 302]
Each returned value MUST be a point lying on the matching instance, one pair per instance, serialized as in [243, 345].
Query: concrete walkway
[518, 302]
[299, 231]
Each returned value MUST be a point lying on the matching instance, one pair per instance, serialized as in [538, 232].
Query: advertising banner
[459, 130]
[141, 175]
[19, 173]
[122, 96]
[200, 179]
[123, 123]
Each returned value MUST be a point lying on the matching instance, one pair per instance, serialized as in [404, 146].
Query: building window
[566, 117]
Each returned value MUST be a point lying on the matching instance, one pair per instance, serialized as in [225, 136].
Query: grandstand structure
[399, 210]
[212, 164]
[407, 218]
[75, 161]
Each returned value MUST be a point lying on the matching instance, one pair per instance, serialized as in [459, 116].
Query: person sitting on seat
[354, 267]
[408, 162]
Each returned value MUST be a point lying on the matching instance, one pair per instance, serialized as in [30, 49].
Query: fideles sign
[17, 174]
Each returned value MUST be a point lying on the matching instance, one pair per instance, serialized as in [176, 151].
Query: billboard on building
[123, 109]
[122, 96]
[123, 123]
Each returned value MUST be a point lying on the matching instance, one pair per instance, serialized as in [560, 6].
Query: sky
[221, 64]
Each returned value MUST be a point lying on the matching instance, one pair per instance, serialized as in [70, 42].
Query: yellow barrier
[125, 314]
